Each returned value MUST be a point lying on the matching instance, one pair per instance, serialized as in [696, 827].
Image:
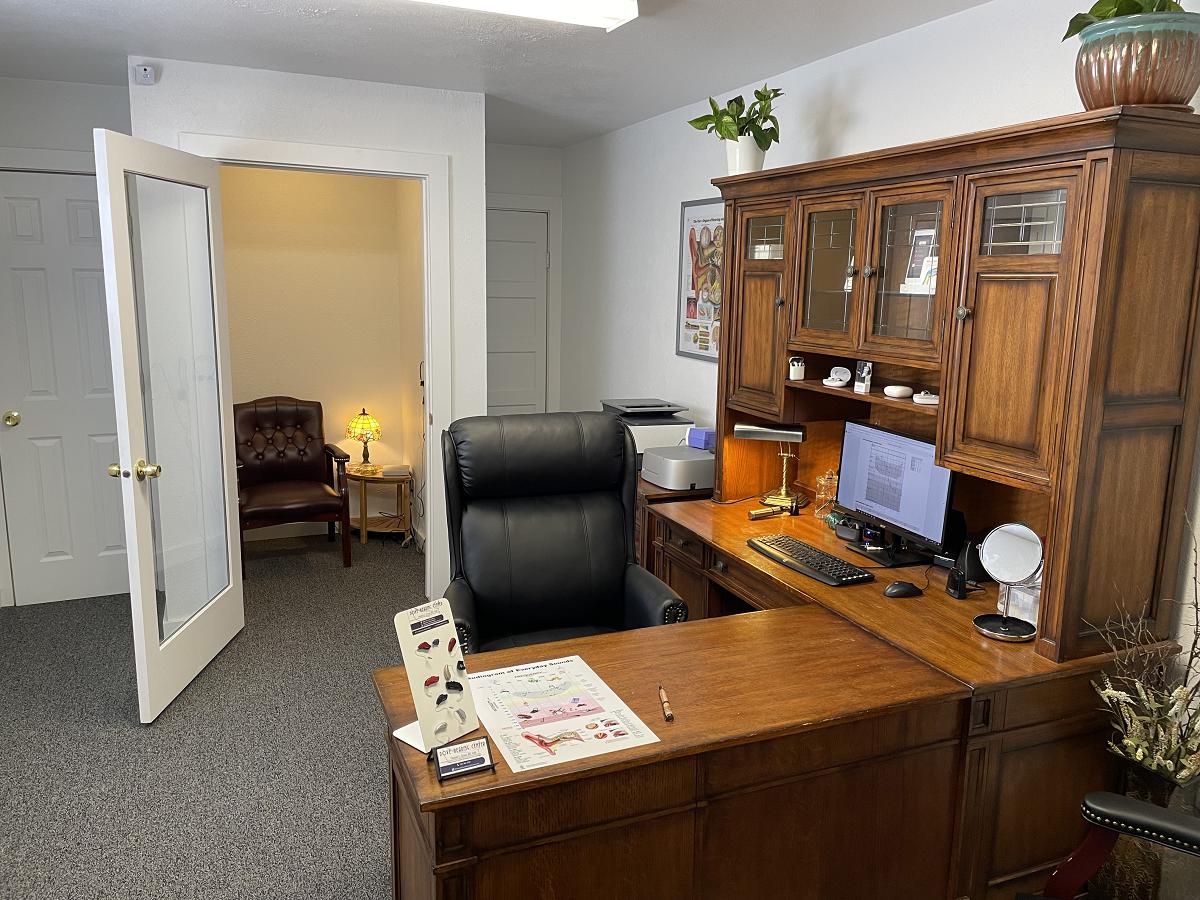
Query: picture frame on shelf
[698, 300]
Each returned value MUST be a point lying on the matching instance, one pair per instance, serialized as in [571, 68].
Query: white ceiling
[547, 84]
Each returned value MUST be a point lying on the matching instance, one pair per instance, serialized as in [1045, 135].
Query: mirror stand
[1002, 626]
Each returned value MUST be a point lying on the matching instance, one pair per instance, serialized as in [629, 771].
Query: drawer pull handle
[720, 566]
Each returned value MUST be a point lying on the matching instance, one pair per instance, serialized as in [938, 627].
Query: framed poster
[698, 301]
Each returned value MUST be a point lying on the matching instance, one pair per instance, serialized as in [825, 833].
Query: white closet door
[160, 220]
[65, 531]
[517, 263]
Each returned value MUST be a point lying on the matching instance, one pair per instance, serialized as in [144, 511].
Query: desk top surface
[730, 681]
[933, 627]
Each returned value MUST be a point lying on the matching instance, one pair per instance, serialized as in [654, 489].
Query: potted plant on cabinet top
[747, 131]
[1134, 52]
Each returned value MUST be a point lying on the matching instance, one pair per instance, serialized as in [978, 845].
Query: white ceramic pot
[743, 155]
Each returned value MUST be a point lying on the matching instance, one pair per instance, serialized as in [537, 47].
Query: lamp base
[1004, 628]
[784, 499]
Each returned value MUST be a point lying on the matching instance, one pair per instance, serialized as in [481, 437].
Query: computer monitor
[890, 480]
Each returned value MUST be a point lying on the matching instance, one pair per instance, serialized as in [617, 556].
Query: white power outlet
[145, 74]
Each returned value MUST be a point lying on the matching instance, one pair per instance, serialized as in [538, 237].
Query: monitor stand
[892, 555]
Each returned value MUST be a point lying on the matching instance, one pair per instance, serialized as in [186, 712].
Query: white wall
[993, 65]
[57, 115]
[536, 171]
[198, 98]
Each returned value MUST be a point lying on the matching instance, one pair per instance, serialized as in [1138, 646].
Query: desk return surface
[800, 746]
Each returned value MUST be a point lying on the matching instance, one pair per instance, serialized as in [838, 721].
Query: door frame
[46, 162]
[552, 207]
[434, 172]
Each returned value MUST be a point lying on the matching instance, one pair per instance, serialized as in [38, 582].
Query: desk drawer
[754, 587]
[683, 542]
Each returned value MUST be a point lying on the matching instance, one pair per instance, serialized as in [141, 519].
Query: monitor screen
[892, 479]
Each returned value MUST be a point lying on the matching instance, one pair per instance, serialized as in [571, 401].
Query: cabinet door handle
[682, 542]
[719, 566]
[869, 271]
[962, 313]
[851, 270]
[779, 301]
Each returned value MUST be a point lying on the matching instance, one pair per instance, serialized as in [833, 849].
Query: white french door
[160, 221]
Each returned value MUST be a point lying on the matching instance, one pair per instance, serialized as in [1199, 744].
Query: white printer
[653, 423]
[679, 468]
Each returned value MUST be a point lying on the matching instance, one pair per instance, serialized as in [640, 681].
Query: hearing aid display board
[543, 713]
[437, 676]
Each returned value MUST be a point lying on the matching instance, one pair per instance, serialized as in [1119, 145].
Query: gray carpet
[267, 777]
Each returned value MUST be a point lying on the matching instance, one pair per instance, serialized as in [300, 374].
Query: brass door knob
[144, 470]
[12, 418]
[851, 270]
[114, 470]
[962, 313]
[869, 271]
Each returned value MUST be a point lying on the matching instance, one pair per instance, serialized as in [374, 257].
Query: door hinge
[547, 260]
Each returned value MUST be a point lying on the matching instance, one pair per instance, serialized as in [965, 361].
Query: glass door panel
[180, 395]
[1029, 223]
[161, 237]
[829, 270]
[906, 283]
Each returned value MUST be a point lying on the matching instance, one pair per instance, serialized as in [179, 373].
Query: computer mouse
[902, 589]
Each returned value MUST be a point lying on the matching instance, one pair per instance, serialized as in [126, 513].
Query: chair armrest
[1143, 820]
[648, 601]
[338, 457]
[462, 605]
[338, 454]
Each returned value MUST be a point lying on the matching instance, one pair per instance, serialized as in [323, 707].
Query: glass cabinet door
[829, 275]
[904, 315]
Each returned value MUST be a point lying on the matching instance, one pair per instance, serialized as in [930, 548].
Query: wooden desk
[1034, 743]
[807, 759]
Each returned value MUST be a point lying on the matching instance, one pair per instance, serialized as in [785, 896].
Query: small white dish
[835, 382]
[898, 391]
[925, 399]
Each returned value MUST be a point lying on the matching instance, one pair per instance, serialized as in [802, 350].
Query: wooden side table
[373, 474]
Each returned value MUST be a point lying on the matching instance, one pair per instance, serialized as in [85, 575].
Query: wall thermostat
[144, 73]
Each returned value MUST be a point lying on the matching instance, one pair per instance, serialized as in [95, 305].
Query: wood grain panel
[1040, 786]
[758, 361]
[1126, 522]
[652, 858]
[1003, 394]
[591, 802]
[688, 582]
[808, 848]
[1151, 324]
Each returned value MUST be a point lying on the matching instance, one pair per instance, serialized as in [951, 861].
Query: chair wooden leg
[346, 536]
[1068, 879]
[332, 531]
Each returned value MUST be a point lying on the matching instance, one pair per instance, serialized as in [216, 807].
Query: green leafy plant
[734, 119]
[1112, 9]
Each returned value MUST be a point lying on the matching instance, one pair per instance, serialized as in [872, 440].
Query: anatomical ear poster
[701, 255]
[437, 676]
[544, 713]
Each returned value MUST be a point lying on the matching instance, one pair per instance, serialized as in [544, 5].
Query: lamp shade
[363, 427]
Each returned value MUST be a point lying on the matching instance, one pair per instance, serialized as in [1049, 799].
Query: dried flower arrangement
[1152, 691]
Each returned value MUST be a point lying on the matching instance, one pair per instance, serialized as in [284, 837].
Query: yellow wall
[325, 290]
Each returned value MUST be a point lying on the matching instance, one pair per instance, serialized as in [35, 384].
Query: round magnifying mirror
[1012, 555]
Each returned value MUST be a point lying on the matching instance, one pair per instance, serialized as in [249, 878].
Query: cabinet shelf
[877, 397]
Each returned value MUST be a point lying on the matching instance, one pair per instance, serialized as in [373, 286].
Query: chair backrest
[280, 439]
[541, 512]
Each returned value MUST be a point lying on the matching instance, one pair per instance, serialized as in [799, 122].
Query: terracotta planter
[1151, 58]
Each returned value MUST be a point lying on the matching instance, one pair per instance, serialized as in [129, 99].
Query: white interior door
[160, 221]
[517, 263]
[66, 538]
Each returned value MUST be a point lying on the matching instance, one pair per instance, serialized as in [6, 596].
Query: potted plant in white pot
[1137, 52]
[748, 132]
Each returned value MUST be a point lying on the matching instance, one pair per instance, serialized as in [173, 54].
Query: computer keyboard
[809, 560]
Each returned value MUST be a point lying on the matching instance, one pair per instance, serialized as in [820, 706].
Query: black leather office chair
[541, 511]
[1111, 815]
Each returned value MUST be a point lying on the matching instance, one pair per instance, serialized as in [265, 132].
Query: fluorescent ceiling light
[606, 14]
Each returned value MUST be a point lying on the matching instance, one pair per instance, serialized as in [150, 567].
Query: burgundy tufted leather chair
[286, 471]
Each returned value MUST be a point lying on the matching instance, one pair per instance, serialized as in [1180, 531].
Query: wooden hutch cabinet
[1042, 279]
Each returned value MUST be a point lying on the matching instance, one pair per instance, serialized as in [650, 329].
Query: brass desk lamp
[784, 496]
